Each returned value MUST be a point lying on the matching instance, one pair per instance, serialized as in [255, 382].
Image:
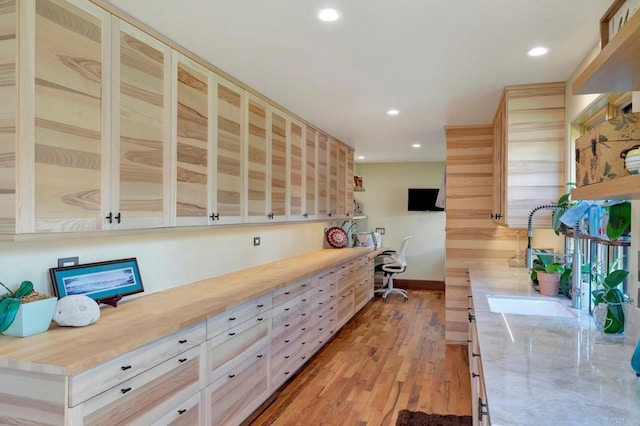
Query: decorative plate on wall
[337, 237]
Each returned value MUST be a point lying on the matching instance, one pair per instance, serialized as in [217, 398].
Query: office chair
[393, 262]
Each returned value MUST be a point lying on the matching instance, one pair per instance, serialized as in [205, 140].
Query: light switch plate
[256, 241]
[380, 231]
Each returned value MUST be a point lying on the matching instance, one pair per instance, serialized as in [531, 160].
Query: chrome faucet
[576, 278]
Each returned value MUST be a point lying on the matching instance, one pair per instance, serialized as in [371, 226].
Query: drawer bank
[208, 352]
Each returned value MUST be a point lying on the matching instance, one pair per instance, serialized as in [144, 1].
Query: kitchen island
[548, 370]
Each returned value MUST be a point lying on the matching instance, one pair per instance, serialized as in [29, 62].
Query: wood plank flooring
[391, 356]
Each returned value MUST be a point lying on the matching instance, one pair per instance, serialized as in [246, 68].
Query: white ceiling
[440, 62]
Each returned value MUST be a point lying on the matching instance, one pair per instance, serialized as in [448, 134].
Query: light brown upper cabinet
[229, 154]
[258, 165]
[64, 142]
[8, 115]
[348, 184]
[278, 178]
[296, 171]
[310, 174]
[529, 148]
[333, 179]
[141, 128]
[322, 165]
[193, 143]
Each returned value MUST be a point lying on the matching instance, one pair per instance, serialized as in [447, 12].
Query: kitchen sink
[528, 306]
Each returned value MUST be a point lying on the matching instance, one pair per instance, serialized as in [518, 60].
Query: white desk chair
[393, 262]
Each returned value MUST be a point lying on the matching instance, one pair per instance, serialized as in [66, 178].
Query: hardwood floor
[391, 356]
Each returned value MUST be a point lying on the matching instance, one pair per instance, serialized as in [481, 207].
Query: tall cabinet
[529, 153]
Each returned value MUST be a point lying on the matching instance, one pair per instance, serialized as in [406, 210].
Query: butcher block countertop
[143, 320]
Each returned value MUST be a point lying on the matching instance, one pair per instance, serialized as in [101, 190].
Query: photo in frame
[105, 282]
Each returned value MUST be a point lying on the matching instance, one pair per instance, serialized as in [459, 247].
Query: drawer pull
[183, 341]
[320, 329]
[260, 319]
[286, 372]
[286, 325]
[231, 376]
[320, 342]
[260, 306]
[125, 390]
[259, 355]
[303, 343]
[287, 309]
[303, 314]
[303, 357]
[286, 357]
[304, 300]
[232, 319]
[304, 328]
[319, 316]
[304, 285]
[473, 354]
[232, 334]
[181, 412]
[125, 367]
[181, 360]
[287, 292]
[286, 341]
[320, 303]
[321, 290]
[474, 375]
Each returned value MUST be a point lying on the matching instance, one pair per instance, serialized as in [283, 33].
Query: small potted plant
[25, 312]
[609, 301]
[548, 273]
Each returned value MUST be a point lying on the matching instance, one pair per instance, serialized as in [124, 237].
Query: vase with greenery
[609, 301]
[18, 320]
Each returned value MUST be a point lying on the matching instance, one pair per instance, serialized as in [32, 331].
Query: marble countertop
[541, 370]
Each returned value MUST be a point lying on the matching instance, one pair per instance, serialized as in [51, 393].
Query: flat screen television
[423, 200]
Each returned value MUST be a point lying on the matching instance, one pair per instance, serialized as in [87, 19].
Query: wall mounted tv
[423, 200]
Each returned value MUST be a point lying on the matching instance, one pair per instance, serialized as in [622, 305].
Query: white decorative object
[76, 310]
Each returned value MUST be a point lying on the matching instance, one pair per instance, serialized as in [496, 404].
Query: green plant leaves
[10, 304]
[619, 219]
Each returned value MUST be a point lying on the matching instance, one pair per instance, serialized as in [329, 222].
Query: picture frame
[105, 282]
[615, 18]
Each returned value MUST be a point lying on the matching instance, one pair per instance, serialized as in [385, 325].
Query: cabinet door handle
[214, 216]
[181, 412]
[125, 367]
[287, 325]
[473, 354]
[183, 341]
[260, 306]
[259, 355]
[231, 376]
[471, 317]
[481, 412]
[118, 217]
[474, 375]
[260, 319]
[109, 217]
[286, 341]
[125, 390]
[181, 360]
[232, 318]
[286, 357]
[232, 334]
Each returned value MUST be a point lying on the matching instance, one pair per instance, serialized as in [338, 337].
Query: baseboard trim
[418, 284]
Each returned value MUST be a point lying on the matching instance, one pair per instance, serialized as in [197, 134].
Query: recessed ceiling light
[328, 15]
[393, 112]
[360, 157]
[538, 51]
[416, 145]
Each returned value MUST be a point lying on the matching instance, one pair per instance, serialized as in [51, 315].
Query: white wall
[166, 258]
[385, 204]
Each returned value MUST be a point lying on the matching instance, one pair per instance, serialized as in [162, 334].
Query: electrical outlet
[380, 231]
[256, 241]
[63, 262]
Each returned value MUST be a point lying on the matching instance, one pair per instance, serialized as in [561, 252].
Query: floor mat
[418, 418]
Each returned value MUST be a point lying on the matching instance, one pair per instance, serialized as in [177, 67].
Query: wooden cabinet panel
[227, 320]
[311, 168]
[323, 176]
[296, 187]
[140, 123]
[346, 305]
[69, 134]
[341, 179]
[348, 184]
[257, 166]
[188, 413]
[192, 151]
[96, 380]
[278, 182]
[229, 153]
[8, 115]
[234, 396]
[333, 179]
[145, 398]
[529, 153]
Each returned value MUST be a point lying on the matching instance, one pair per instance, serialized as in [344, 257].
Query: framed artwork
[615, 18]
[105, 282]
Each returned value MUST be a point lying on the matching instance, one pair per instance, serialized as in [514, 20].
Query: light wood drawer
[345, 305]
[321, 302]
[291, 291]
[231, 398]
[283, 367]
[324, 278]
[90, 383]
[292, 312]
[230, 349]
[225, 321]
[146, 397]
[287, 335]
[189, 413]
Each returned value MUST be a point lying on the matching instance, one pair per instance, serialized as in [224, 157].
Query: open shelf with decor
[621, 188]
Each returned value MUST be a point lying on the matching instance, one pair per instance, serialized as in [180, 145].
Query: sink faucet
[576, 278]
